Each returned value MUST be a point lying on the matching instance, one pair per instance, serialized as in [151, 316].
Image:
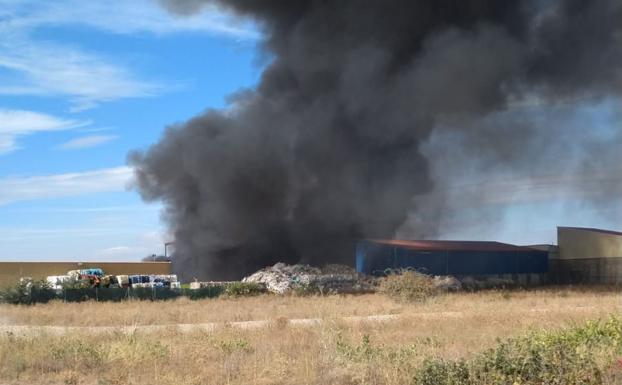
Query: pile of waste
[446, 283]
[95, 277]
[209, 284]
[282, 278]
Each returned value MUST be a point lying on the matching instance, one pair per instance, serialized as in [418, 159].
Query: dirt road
[30, 330]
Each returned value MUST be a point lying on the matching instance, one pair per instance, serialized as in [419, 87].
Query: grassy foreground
[446, 340]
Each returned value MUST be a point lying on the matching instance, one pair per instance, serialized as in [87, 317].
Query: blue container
[92, 271]
[134, 279]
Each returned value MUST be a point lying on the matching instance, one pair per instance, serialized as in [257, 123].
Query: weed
[234, 345]
[408, 286]
[360, 352]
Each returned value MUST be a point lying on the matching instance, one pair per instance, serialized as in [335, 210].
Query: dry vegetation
[337, 352]
[495, 305]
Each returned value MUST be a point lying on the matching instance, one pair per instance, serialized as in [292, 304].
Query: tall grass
[449, 333]
[513, 309]
[330, 354]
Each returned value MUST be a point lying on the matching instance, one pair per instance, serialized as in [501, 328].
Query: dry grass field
[335, 352]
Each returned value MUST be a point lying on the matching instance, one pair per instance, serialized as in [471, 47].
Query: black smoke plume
[327, 148]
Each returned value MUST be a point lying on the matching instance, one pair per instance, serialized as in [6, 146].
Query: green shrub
[27, 292]
[579, 355]
[75, 283]
[40, 292]
[238, 289]
[304, 290]
[16, 294]
[407, 286]
[364, 351]
[441, 372]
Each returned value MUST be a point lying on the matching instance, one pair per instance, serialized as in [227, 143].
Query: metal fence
[121, 294]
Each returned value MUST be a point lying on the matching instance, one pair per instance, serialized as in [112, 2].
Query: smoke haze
[366, 111]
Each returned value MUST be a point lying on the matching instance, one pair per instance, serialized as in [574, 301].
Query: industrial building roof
[451, 245]
[592, 229]
[543, 247]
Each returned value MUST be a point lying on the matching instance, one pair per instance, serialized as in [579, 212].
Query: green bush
[579, 355]
[75, 283]
[440, 372]
[27, 292]
[40, 292]
[17, 294]
[407, 286]
[305, 290]
[364, 351]
[239, 289]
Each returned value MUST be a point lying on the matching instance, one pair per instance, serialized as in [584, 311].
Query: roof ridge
[450, 244]
[593, 229]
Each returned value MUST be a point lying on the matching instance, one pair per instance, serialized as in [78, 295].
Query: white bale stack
[56, 281]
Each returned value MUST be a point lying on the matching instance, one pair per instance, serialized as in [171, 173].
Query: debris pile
[446, 283]
[282, 278]
[209, 284]
[95, 277]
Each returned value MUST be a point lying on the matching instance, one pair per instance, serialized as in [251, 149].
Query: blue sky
[84, 82]
[80, 86]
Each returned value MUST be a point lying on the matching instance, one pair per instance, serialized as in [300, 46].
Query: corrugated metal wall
[587, 271]
[374, 258]
[587, 255]
[580, 243]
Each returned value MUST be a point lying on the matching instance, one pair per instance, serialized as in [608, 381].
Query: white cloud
[123, 252]
[94, 129]
[124, 17]
[90, 209]
[125, 243]
[15, 189]
[44, 68]
[8, 234]
[87, 142]
[19, 123]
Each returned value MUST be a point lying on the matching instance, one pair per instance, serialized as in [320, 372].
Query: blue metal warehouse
[457, 258]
